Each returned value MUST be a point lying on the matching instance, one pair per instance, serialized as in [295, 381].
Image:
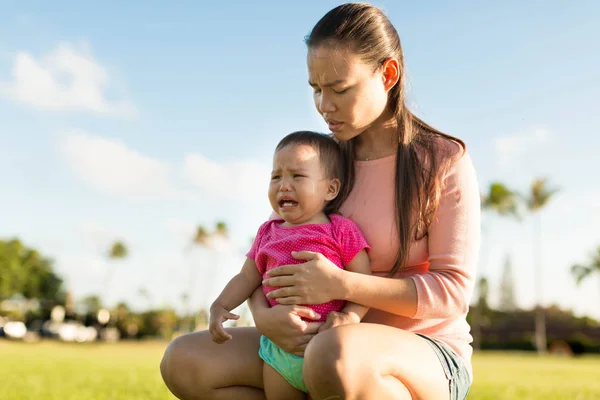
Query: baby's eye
[274, 177]
[299, 176]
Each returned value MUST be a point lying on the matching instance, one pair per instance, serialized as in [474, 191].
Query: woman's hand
[338, 319]
[316, 281]
[283, 325]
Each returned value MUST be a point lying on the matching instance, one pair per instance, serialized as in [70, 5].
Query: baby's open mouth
[287, 203]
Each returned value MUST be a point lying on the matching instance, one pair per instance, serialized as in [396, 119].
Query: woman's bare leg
[277, 388]
[194, 367]
[370, 361]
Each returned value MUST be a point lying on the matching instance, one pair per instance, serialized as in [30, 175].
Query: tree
[117, 251]
[583, 271]
[502, 201]
[507, 288]
[25, 271]
[221, 229]
[537, 198]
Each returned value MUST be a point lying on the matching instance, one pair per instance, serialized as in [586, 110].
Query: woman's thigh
[194, 367]
[372, 361]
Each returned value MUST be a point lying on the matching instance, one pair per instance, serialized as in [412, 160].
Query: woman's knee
[183, 367]
[328, 358]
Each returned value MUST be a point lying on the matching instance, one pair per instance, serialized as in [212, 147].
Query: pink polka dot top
[339, 241]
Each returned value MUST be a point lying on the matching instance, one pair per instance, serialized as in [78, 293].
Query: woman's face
[350, 94]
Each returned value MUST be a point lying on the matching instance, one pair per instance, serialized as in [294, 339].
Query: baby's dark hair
[330, 156]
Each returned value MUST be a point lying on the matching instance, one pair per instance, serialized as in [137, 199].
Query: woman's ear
[333, 189]
[390, 72]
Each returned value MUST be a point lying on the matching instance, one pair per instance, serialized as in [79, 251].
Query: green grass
[526, 376]
[129, 371]
[58, 371]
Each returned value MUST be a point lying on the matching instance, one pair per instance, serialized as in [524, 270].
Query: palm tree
[502, 201]
[117, 251]
[582, 272]
[538, 197]
[221, 228]
[200, 236]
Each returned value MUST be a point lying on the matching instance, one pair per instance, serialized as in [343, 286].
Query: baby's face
[299, 188]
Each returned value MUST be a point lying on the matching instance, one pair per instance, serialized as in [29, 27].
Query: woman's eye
[316, 91]
[341, 91]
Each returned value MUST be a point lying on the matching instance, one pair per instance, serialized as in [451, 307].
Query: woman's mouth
[334, 126]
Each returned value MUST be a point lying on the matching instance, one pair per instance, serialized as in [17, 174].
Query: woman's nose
[325, 104]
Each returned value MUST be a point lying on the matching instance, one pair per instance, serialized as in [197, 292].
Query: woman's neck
[378, 141]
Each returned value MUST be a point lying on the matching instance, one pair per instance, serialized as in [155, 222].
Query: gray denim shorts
[454, 367]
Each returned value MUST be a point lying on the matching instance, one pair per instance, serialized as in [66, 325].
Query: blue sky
[124, 121]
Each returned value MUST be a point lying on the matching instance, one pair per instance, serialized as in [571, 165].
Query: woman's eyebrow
[327, 84]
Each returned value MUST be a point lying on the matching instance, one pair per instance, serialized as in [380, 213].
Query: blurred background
[135, 150]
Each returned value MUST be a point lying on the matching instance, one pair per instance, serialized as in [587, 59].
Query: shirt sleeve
[453, 241]
[253, 252]
[350, 239]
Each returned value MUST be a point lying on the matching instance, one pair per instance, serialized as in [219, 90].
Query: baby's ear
[333, 189]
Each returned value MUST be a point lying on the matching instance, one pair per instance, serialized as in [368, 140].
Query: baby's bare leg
[277, 388]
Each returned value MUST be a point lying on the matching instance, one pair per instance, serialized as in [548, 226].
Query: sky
[123, 121]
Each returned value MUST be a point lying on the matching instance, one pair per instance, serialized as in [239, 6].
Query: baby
[306, 178]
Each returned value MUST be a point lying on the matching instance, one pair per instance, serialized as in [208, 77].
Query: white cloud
[512, 146]
[67, 79]
[109, 166]
[241, 181]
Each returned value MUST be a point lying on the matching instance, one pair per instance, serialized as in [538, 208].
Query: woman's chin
[344, 135]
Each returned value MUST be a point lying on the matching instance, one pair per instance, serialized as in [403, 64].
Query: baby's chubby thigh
[289, 366]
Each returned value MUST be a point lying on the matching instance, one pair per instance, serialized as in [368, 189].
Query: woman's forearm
[396, 296]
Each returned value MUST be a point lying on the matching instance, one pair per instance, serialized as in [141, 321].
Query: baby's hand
[338, 319]
[218, 315]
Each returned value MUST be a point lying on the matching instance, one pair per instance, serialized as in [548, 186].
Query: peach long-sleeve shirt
[441, 264]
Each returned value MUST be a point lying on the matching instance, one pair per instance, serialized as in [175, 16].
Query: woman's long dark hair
[423, 153]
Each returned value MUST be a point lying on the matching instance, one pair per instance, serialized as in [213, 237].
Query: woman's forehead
[328, 64]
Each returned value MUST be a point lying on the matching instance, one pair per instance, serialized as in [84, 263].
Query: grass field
[129, 371]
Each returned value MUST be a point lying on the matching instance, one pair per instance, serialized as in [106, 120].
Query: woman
[413, 192]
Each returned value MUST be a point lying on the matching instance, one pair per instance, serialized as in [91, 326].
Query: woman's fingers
[290, 300]
[306, 312]
[312, 328]
[279, 281]
[285, 291]
[328, 324]
[283, 270]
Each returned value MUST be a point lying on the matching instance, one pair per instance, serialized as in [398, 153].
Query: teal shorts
[288, 365]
